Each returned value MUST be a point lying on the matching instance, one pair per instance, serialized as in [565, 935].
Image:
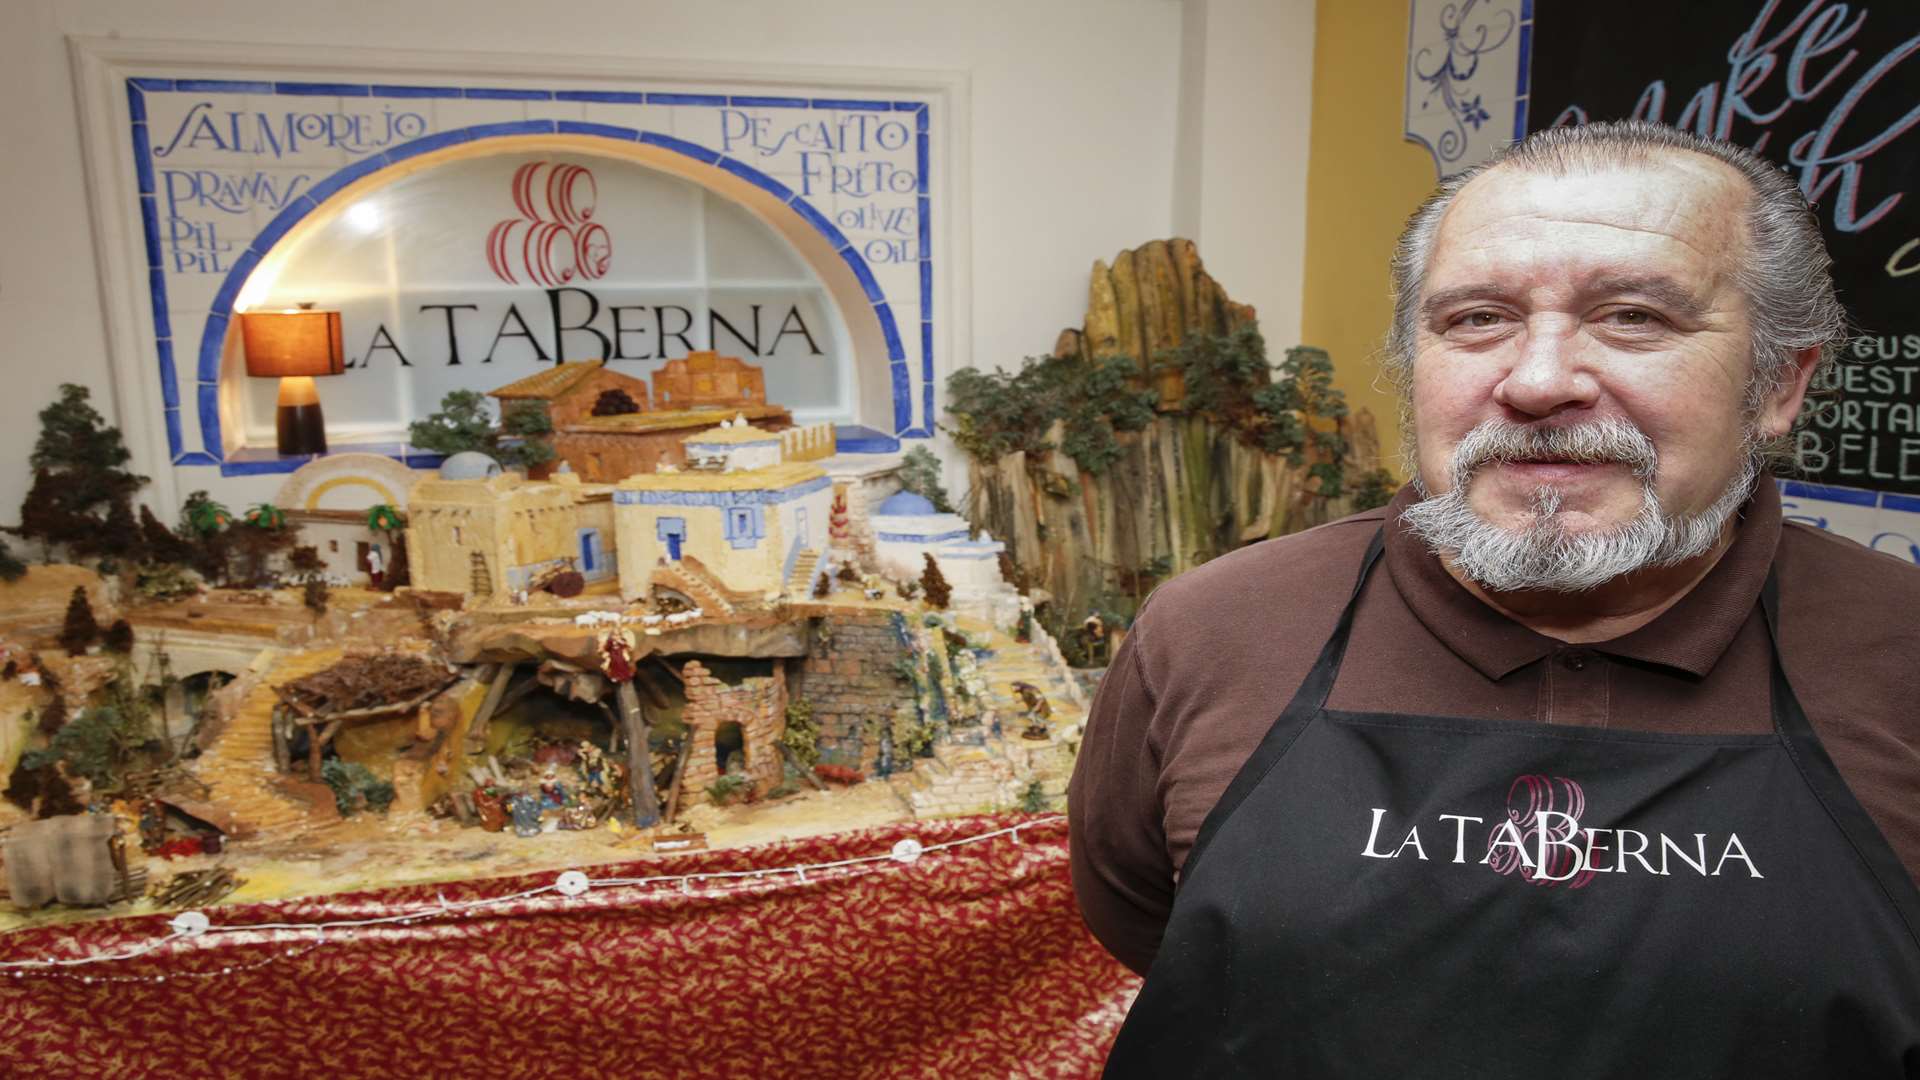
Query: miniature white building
[907, 528]
[328, 500]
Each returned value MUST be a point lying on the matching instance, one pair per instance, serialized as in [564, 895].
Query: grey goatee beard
[1542, 554]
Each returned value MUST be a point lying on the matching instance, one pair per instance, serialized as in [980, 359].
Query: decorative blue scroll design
[1448, 68]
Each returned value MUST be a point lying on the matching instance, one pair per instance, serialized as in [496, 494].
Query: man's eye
[1632, 317]
[1480, 320]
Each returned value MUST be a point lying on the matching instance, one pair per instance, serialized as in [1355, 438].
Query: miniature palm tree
[205, 516]
[266, 516]
[384, 518]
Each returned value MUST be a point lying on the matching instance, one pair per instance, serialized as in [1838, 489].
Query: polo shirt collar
[1690, 636]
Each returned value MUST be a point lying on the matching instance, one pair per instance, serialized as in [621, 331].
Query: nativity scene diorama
[620, 616]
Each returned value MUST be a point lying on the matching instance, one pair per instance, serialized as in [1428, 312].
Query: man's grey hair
[1785, 273]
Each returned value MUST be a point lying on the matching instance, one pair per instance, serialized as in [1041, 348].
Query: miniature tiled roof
[549, 384]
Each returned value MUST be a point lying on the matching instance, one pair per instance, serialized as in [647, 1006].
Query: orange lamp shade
[282, 343]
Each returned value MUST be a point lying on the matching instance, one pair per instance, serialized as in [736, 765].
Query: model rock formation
[1155, 437]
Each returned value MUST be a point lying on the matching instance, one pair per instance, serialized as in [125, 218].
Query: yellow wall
[1363, 179]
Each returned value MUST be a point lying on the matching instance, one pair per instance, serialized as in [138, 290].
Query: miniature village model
[621, 619]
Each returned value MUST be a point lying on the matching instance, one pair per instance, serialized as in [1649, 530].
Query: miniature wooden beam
[679, 774]
[646, 804]
[793, 759]
[644, 677]
[670, 669]
[498, 674]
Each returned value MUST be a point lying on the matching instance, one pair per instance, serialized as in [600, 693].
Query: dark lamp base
[301, 430]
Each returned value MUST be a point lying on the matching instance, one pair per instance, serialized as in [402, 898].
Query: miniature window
[456, 534]
[745, 526]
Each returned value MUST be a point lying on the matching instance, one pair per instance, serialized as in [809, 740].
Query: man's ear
[1783, 408]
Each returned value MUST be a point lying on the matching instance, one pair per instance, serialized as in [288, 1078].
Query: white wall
[1246, 96]
[1074, 119]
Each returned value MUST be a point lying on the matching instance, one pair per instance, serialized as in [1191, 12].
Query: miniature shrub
[802, 735]
[355, 787]
[94, 744]
[724, 789]
[920, 474]
[1034, 799]
[999, 413]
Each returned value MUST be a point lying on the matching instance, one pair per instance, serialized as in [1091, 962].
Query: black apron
[1385, 895]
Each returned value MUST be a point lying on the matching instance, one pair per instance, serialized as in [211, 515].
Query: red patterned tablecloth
[970, 961]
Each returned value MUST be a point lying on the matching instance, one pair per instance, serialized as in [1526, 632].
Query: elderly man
[1574, 760]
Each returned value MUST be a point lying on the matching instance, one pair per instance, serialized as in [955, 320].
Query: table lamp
[294, 346]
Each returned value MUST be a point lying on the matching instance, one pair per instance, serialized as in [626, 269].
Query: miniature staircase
[801, 580]
[690, 578]
[239, 765]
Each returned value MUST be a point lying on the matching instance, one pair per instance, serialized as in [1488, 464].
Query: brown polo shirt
[1218, 652]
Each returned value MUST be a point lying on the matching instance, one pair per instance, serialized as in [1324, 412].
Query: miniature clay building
[576, 389]
[608, 449]
[707, 380]
[607, 427]
[491, 535]
[752, 526]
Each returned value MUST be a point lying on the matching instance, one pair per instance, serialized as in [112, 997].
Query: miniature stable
[621, 619]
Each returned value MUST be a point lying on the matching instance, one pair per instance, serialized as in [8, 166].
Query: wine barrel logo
[554, 239]
[1526, 798]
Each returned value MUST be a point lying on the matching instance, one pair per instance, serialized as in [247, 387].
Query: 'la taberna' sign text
[461, 255]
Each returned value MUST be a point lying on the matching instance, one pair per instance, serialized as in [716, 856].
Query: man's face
[1552, 301]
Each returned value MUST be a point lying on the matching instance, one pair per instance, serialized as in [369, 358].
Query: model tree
[920, 474]
[310, 570]
[934, 584]
[160, 544]
[263, 535]
[204, 532]
[465, 423]
[11, 568]
[119, 637]
[79, 478]
[390, 523]
[823, 587]
[79, 630]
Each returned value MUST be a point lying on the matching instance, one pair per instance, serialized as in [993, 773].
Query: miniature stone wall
[852, 681]
[758, 704]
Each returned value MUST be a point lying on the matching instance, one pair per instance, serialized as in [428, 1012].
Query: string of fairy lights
[195, 929]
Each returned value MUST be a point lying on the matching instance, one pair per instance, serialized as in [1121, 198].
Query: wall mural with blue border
[225, 168]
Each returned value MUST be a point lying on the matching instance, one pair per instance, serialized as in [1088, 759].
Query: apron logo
[1541, 839]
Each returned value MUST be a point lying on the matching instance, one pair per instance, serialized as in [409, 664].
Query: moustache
[1612, 441]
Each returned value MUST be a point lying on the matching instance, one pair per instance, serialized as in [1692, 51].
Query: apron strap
[1308, 700]
[1823, 778]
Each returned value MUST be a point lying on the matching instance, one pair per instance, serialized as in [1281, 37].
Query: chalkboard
[1829, 90]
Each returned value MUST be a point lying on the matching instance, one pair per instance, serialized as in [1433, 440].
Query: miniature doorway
[729, 743]
[673, 533]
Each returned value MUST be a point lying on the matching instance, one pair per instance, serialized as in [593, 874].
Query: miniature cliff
[1154, 438]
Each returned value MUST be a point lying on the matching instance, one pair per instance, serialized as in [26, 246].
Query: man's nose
[1548, 375]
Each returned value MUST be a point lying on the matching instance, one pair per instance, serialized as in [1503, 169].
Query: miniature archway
[873, 353]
